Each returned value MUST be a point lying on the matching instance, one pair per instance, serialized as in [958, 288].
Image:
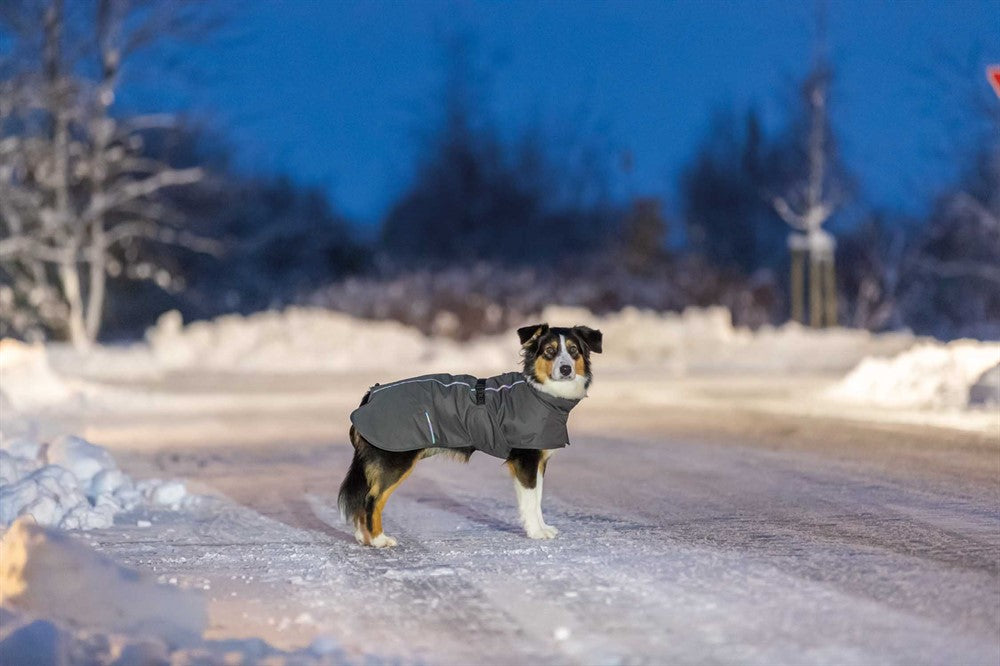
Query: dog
[519, 417]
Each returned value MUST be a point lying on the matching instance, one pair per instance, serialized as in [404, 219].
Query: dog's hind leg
[355, 488]
[373, 476]
[393, 471]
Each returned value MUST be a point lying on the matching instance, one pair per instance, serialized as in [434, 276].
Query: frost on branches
[77, 193]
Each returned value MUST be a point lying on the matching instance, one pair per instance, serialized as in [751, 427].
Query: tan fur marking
[460, 456]
[382, 498]
[579, 367]
[534, 336]
[544, 462]
[543, 369]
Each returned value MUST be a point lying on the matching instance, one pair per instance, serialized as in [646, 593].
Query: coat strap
[480, 391]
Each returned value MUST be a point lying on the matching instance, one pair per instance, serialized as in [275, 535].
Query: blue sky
[332, 93]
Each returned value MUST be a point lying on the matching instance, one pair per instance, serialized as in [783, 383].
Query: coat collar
[562, 405]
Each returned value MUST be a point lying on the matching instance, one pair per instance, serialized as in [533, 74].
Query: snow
[704, 340]
[671, 548]
[308, 340]
[986, 391]
[928, 376]
[99, 595]
[168, 493]
[106, 613]
[80, 457]
[72, 484]
[301, 343]
[294, 340]
[26, 379]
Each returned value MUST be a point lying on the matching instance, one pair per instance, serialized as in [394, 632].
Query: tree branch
[786, 213]
[120, 194]
[24, 246]
[160, 234]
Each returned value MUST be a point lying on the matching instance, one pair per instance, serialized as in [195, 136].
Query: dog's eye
[550, 353]
[573, 351]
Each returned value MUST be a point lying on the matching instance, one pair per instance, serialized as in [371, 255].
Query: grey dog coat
[447, 411]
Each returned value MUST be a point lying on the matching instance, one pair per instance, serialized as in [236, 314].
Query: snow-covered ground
[845, 372]
[779, 496]
[65, 603]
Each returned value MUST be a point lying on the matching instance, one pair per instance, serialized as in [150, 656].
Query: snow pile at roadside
[293, 340]
[27, 381]
[307, 340]
[705, 340]
[25, 640]
[72, 484]
[64, 603]
[53, 575]
[931, 375]
[312, 340]
[643, 337]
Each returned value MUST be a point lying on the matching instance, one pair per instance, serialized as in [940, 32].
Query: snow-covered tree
[952, 282]
[77, 193]
[810, 201]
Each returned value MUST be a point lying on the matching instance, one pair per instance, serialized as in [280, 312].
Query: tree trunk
[831, 293]
[98, 283]
[815, 292]
[70, 280]
[110, 63]
[798, 314]
[69, 277]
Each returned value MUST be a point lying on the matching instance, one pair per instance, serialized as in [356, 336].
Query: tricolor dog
[519, 417]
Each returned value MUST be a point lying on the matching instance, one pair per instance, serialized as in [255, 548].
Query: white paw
[550, 531]
[538, 533]
[383, 541]
[359, 536]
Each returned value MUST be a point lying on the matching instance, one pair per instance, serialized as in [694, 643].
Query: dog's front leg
[525, 466]
[527, 506]
[549, 531]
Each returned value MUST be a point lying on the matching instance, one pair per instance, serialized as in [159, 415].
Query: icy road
[688, 535]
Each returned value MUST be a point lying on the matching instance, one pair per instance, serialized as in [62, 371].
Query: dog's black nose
[565, 370]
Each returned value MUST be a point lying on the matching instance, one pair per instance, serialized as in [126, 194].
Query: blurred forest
[108, 219]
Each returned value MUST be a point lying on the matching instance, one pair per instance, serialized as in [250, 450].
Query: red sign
[993, 74]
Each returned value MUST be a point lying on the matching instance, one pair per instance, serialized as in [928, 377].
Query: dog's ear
[590, 337]
[529, 333]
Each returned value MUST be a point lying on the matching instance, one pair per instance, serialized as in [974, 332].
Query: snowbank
[50, 574]
[307, 340]
[72, 484]
[931, 375]
[704, 340]
[312, 340]
[293, 340]
[64, 603]
[27, 381]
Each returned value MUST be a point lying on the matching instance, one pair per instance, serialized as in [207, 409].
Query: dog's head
[557, 360]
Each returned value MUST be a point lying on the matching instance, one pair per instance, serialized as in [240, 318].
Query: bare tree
[75, 184]
[812, 200]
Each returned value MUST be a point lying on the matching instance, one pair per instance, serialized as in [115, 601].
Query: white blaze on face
[562, 360]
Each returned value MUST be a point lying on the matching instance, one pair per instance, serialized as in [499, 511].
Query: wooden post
[831, 292]
[798, 315]
[815, 292]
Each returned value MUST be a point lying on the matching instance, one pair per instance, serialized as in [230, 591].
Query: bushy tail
[354, 489]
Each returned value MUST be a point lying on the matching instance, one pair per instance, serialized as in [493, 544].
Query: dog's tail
[354, 489]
